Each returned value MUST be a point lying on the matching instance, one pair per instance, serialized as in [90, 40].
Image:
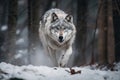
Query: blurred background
[97, 39]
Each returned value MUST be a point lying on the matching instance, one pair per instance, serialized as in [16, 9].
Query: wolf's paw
[61, 64]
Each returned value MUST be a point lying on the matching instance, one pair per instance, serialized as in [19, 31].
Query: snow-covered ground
[30, 72]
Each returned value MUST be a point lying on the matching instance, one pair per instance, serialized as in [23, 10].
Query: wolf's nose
[60, 38]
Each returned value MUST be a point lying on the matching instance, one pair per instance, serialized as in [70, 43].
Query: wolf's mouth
[61, 41]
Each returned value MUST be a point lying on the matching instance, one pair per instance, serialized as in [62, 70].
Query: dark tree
[106, 33]
[80, 41]
[116, 22]
[102, 28]
[110, 34]
[33, 25]
[3, 21]
[11, 32]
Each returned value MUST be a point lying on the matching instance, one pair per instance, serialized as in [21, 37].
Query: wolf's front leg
[52, 56]
[63, 60]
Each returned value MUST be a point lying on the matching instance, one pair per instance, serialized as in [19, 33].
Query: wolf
[57, 33]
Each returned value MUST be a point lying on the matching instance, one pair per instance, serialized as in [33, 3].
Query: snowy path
[54, 73]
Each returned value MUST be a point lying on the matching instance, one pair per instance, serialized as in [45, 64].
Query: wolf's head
[59, 26]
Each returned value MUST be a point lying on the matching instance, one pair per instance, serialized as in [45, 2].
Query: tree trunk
[110, 34]
[106, 33]
[80, 41]
[116, 22]
[11, 33]
[102, 28]
[33, 25]
[3, 21]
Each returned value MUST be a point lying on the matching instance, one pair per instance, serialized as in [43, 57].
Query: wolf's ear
[69, 18]
[54, 17]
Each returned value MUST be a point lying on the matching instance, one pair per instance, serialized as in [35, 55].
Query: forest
[97, 22]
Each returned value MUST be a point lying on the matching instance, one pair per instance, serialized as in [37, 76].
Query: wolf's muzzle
[61, 39]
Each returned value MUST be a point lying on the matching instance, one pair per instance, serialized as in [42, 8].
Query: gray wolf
[57, 33]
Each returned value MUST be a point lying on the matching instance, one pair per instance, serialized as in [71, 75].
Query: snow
[4, 28]
[19, 41]
[17, 31]
[18, 56]
[31, 72]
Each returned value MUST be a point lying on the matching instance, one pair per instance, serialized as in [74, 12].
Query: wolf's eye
[57, 28]
[64, 28]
